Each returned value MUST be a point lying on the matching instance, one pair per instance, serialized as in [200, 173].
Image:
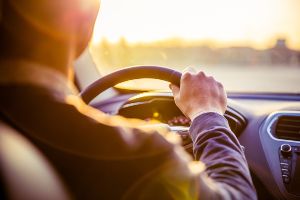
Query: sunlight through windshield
[250, 46]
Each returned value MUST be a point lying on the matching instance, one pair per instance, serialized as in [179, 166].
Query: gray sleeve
[226, 171]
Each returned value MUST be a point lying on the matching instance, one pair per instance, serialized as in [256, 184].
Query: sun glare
[231, 22]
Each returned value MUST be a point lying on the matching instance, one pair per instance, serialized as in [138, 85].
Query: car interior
[266, 123]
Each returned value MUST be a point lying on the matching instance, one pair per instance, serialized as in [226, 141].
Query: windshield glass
[249, 46]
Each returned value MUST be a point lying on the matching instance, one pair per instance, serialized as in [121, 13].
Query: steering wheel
[138, 72]
[127, 74]
[156, 72]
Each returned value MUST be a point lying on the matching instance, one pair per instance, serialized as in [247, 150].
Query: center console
[280, 137]
[289, 157]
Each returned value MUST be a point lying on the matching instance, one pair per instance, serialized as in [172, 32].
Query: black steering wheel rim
[126, 74]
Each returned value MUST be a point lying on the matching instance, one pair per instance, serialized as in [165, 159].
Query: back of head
[60, 20]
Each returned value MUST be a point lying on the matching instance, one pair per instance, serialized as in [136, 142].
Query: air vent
[236, 121]
[288, 127]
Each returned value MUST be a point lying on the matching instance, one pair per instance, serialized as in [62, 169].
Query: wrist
[196, 114]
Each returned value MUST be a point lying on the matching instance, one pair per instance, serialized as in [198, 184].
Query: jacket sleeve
[222, 172]
[226, 174]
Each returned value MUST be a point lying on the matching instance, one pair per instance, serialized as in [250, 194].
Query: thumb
[174, 89]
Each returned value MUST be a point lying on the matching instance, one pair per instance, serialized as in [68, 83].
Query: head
[52, 24]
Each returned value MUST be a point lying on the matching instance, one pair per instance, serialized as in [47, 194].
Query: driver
[101, 156]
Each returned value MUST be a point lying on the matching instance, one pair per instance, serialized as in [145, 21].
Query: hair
[19, 36]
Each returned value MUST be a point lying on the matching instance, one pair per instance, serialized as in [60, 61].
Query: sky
[256, 23]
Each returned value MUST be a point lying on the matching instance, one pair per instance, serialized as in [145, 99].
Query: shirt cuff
[206, 121]
[200, 113]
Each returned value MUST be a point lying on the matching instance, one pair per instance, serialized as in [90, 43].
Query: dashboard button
[286, 149]
[285, 172]
[286, 179]
[284, 160]
[284, 166]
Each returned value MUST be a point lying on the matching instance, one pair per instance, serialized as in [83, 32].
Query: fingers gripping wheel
[127, 74]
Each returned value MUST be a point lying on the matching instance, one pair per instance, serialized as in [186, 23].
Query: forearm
[217, 147]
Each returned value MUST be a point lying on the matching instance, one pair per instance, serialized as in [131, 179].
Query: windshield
[249, 46]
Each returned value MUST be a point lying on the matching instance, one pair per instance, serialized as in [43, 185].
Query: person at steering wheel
[101, 156]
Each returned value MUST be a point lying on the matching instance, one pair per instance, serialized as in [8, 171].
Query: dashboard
[268, 126]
